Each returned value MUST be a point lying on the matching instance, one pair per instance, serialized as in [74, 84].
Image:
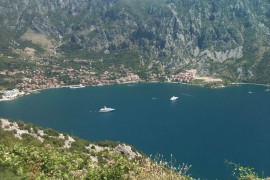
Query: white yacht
[173, 98]
[105, 109]
[76, 86]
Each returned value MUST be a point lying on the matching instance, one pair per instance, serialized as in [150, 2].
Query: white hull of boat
[173, 98]
[105, 109]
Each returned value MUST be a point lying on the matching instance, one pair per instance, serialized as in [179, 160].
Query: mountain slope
[230, 39]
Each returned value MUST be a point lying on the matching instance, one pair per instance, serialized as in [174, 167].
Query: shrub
[51, 132]
[243, 173]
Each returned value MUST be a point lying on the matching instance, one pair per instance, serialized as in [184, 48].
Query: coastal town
[48, 74]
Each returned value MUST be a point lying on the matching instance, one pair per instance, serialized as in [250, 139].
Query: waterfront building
[11, 94]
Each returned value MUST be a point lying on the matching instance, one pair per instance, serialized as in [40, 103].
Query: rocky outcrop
[220, 56]
[127, 151]
[18, 132]
[39, 134]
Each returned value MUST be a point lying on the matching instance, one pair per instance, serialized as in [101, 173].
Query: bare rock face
[179, 34]
[127, 151]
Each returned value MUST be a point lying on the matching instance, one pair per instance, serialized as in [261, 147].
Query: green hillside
[28, 152]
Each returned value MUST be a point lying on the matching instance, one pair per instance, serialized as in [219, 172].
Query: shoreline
[132, 83]
[256, 84]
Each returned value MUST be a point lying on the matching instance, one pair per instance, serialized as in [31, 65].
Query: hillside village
[80, 72]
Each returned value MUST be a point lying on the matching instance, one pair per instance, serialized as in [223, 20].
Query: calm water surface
[202, 128]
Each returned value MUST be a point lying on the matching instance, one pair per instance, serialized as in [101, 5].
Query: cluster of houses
[183, 76]
[85, 77]
[41, 82]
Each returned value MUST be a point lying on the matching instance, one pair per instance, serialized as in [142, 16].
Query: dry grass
[160, 169]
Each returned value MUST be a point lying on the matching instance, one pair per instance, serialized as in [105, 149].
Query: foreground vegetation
[244, 173]
[29, 158]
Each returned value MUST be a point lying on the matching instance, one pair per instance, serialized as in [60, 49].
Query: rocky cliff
[225, 38]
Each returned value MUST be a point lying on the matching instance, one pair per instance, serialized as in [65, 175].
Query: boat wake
[189, 95]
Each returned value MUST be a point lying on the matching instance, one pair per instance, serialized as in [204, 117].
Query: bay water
[203, 128]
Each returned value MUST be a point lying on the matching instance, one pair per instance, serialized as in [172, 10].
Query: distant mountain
[225, 38]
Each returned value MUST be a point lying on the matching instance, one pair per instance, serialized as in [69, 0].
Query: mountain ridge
[229, 39]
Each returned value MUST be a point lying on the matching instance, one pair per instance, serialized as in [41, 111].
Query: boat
[105, 109]
[76, 86]
[173, 98]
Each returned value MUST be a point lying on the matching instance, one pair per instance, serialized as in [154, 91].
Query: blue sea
[203, 128]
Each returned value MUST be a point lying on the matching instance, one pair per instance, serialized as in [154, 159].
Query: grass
[8, 175]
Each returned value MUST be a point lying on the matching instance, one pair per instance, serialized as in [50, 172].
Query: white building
[11, 94]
